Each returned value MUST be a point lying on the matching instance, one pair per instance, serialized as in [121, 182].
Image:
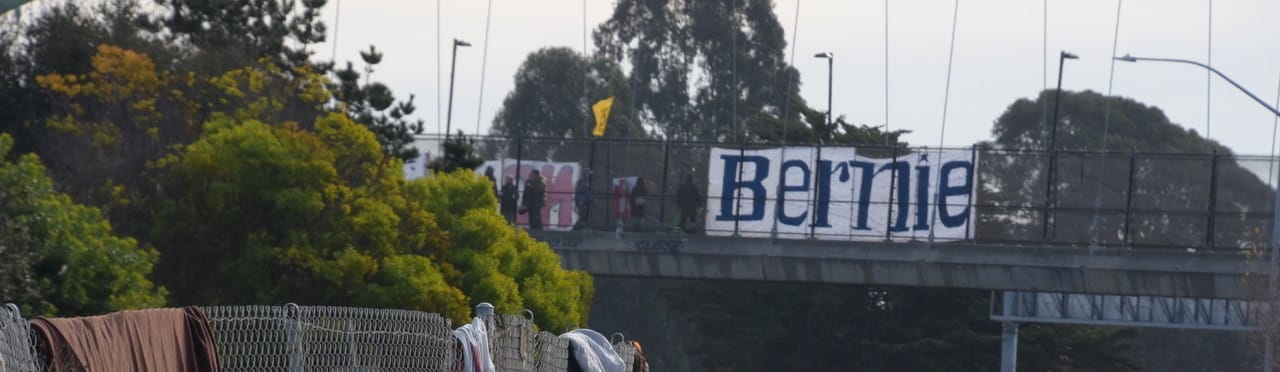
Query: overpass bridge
[1085, 222]
[967, 264]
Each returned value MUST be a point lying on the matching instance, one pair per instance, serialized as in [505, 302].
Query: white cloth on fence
[593, 352]
[474, 339]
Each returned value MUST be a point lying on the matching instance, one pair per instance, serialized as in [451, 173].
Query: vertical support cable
[887, 128]
[1044, 71]
[1106, 127]
[1208, 80]
[337, 15]
[942, 135]
[439, 72]
[786, 116]
[484, 63]
[586, 102]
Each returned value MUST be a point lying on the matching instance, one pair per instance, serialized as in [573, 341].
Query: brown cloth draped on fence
[167, 340]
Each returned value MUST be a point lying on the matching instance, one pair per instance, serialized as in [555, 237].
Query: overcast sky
[998, 56]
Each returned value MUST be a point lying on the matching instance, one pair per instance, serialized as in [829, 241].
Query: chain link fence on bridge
[1209, 201]
[326, 338]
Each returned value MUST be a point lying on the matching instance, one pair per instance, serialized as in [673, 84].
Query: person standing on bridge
[535, 197]
[638, 200]
[509, 199]
[582, 201]
[688, 197]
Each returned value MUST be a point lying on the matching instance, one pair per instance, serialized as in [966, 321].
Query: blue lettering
[864, 191]
[903, 171]
[922, 198]
[823, 208]
[782, 192]
[731, 186]
[945, 190]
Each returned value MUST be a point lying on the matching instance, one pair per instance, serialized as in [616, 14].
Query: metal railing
[1209, 201]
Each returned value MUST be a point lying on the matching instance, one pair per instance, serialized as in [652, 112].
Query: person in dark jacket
[488, 173]
[638, 200]
[509, 199]
[535, 197]
[688, 198]
[582, 201]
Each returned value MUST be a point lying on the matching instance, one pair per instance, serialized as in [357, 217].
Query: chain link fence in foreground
[326, 338]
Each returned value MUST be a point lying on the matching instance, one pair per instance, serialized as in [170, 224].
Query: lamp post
[452, 70]
[831, 58]
[1275, 223]
[1063, 56]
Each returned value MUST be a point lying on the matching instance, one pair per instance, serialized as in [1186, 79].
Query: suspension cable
[946, 100]
[786, 111]
[887, 128]
[484, 63]
[1106, 128]
[1044, 74]
[1208, 81]
[439, 87]
[337, 14]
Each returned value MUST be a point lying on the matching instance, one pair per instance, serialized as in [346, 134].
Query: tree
[1171, 178]
[548, 98]
[368, 104]
[728, 54]
[224, 35]
[62, 258]
[275, 214]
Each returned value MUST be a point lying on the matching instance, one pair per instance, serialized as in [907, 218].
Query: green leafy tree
[548, 97]
[273, 214]
[368, 103]
[1171, 192]
[693, 63]
[65, 255]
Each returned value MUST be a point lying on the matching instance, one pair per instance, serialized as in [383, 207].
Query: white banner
[841, 195]
[558, 214]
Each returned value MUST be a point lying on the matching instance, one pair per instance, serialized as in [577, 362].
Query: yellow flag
[602, 115]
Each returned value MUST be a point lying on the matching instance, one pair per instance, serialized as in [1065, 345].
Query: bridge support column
[1009, 338]
[1009, 347]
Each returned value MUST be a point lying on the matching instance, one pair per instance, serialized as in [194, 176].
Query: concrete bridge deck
[1042, 268]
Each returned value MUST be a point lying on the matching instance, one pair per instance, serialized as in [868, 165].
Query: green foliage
[368, 103]
[459, 153]
[694, 63]
[272, 214]
[76, 263]
[548, 97]
[501, 265]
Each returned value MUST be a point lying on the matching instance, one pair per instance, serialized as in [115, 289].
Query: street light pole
[831, 58]
[1063, 56]
[1275, 222]
[452, 70]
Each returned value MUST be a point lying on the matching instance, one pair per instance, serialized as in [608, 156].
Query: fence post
[893, 182]
[813, 196]
[662, 210]
[1128, 202]
[737, 191]
[1213, 201]
[293, 335]
[1048, 196]
[591, 184]
[973, 212]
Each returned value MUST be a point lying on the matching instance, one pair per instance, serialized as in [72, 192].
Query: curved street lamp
[1275, 223]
